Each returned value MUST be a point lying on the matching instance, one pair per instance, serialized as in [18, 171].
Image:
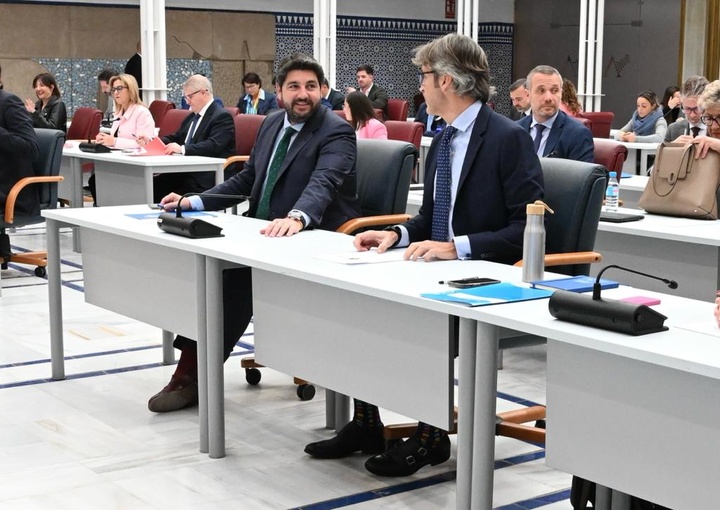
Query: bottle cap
[613, 175]
[538, 207]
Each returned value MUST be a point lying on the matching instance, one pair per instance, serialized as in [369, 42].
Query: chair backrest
[601, 123]
[50, 142]
[246, 129]
[159, 108]
[85, 124]
[172, 120]
[232, 110]
[397, 109]
[384, 169]
[611, 155]
[405, 131]
[585, 122]
[575, 191]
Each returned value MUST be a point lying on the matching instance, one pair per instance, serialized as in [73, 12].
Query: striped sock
[366, 415]
[429, 436]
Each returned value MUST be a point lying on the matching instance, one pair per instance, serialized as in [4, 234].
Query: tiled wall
[387, 44]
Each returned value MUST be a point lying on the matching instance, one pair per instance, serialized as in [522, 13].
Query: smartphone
[475, 281]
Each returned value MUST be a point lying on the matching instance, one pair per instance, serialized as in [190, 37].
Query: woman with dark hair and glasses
[48, 111]
[647, 123]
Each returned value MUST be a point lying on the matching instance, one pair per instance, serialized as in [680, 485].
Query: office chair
[159, 108]
[171, 121]
[405, 131]
[397, 109]
[47, 169]
[85, 124]
[232, 110]
[574, 190]
[384, 168]
[601, 123]
[246, 129]
[585, 122]
[610, 154]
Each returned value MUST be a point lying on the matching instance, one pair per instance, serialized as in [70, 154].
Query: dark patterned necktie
[191, 131]
[539, 128]
[443, 183]
[695, 131]
[263, 210]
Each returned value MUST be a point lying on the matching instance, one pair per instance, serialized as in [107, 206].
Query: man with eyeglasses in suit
[691, 126]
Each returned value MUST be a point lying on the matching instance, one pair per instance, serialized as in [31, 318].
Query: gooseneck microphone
[194, 228]
[608, 314]
[596, 286]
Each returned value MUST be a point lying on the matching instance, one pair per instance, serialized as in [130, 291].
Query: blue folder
[494, 294]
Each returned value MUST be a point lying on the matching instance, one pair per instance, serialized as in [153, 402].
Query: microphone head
[673, 284]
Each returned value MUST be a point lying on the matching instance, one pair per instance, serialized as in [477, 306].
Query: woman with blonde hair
[132, 119]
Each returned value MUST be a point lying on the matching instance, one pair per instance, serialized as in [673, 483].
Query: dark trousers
[181, 183]
[237, 310]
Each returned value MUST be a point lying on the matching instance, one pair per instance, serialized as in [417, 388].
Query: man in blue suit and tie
[555, 134]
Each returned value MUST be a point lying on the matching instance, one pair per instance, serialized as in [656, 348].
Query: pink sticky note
[642, 300]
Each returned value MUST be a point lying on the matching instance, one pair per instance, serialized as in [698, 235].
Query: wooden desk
[122, 179]
[633, 413]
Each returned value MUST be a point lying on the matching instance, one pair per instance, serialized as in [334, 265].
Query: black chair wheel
[40, 272]
[4, 265]
[540, 424]
[306, 391]
[253, 376]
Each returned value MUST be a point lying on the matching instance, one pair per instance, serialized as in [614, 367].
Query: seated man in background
[331, 98]
[520, 98]
[18, 150]
[366, 84]
[691, 126]
[479, 176]
[433, 123]
[555, 133]
[105, 101]
[209, 131]
[300, 175]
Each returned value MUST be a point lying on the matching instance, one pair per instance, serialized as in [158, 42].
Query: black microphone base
[610, 315]
[193, 228]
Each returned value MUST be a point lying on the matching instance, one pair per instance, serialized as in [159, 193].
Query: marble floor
[90, 442]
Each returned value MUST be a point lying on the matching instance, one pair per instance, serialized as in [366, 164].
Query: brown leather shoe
[181, 392]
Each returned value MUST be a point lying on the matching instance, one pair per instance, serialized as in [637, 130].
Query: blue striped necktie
[443, 184]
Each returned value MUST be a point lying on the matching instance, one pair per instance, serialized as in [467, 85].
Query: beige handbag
[681, 185]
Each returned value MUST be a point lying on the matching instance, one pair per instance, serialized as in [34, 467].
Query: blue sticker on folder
[489, 295]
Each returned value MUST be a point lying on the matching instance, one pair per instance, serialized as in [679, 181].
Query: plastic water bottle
[534, 242]
[612, 193]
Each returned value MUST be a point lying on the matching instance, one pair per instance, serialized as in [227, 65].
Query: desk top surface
[669, 228]
[304, 256]
[128, 159]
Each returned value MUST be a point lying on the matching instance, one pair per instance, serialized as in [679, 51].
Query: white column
[467, 17]
[325, 36]
[590, 53]
[154, 55]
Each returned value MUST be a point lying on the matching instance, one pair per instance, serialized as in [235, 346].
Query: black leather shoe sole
[408, 457]
[351, 438]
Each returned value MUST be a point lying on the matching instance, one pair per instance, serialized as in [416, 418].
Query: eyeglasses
[119, 88]
[421, 75]
[708, 120]
[190, 96]
[687, 109]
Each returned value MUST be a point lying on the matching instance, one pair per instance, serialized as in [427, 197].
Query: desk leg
[215, 372]
[202, 343]
[167, 348]
[149, 190]
[219, 175]
[55, 300]
[603, 497]
[483, 455]
[466, 411]
[76, 199]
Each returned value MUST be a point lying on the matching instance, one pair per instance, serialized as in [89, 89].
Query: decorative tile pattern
[387, 44]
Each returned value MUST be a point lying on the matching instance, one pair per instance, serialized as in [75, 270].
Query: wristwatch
[297, 215]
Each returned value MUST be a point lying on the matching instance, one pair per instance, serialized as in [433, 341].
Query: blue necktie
[191, 131]
[263, 210]
[443, 183]
[539, 128]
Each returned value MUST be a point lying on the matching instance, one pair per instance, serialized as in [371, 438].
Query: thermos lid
[538, 207]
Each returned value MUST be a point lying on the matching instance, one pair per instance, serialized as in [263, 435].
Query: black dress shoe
[351, 438]
[408, 457]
